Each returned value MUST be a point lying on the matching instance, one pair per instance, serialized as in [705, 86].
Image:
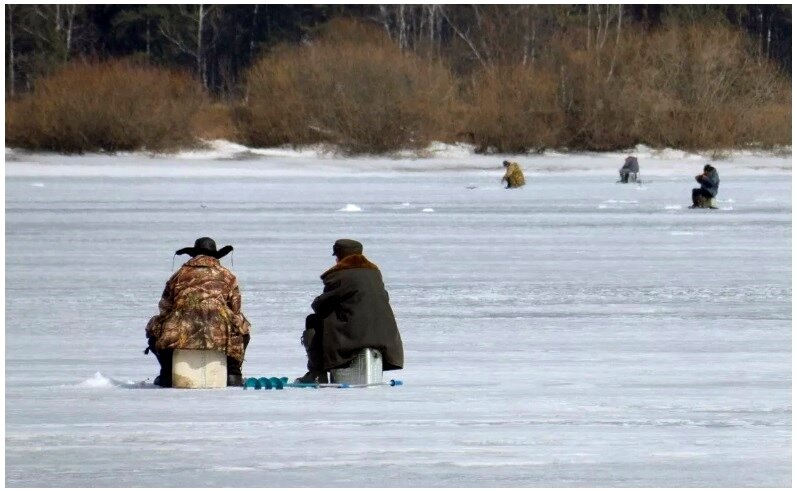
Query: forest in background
[376, 78]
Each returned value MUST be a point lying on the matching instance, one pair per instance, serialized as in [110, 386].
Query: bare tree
[617, 40]
[53, 28]
[464, 37]
[252, 34]
[11, 74]
[385, 18]
[188, 39]
[589, 24]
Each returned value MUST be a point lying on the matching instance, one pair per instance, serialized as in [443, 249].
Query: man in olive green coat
[200, 309]
[513, 176]
[352, 313]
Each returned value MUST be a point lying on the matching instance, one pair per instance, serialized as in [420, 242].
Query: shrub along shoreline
[694, 88]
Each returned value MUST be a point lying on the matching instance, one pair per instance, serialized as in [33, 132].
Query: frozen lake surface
[575, 332]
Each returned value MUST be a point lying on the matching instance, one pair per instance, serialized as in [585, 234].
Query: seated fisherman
[709, 186]
[513, 176]
[200, 309]
[630, 168]
[351, 314]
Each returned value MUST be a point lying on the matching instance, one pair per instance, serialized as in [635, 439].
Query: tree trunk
[431, 28]
[148, 38]
[463, 37]
[402, 25]
[252, 36]
[616, 40]
[11, 48]
[70, 23]
[589, 24]
[769, 34]
[534, 36]
[760, 31]
[385, 20]
[526, 36]
[199, 45]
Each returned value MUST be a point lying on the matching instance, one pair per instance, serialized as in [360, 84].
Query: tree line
[219, 43]
[380, 78]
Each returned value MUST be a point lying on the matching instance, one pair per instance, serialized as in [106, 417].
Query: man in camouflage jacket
[200, 309]
[513, 176]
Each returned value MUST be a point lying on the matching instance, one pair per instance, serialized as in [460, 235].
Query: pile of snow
[351, 208]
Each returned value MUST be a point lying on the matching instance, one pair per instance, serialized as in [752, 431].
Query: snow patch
[351, 208]
[428, 210]
[37, 184]
[673, 207]
[99, 381]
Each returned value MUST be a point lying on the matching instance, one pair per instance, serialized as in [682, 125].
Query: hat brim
[194, 252]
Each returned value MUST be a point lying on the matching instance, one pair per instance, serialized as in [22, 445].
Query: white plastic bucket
[366, 368]
[199, 369]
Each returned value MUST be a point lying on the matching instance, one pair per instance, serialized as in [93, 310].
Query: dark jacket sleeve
[713, 179]
[325, 304]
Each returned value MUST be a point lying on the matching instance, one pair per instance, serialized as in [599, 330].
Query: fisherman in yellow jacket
[514, 176]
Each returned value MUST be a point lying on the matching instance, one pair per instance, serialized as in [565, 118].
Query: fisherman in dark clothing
[703, 196]
[351, 314]
[629, 169]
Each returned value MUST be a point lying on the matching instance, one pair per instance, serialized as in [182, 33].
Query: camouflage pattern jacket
[514, 176]
[201, 309]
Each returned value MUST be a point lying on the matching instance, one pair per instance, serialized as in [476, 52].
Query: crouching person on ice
[709, 180]
[353, 313]
[200, 309]
[513, 175]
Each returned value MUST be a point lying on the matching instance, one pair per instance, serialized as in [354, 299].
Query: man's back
[514, 176]
[199, 307]
[356, 310]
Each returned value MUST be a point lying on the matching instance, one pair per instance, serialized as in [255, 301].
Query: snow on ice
[549, 341]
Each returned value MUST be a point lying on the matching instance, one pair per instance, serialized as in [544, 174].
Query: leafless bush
[514, 109]
[352, 87]
[108, 106]
[708, 90]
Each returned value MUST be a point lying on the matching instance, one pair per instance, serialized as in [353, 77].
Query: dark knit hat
[506, 163]
[346, 247]
[205, 246]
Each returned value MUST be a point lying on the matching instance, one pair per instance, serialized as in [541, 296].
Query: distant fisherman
[630, 169]
[200, 309]
[703, 197]
[513, 176]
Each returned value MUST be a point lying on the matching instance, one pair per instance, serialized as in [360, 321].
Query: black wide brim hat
[205, 246]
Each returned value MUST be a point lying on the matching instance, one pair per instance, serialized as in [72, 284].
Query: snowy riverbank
[223, 158]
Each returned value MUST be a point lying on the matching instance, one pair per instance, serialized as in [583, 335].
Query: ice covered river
[575, 332]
